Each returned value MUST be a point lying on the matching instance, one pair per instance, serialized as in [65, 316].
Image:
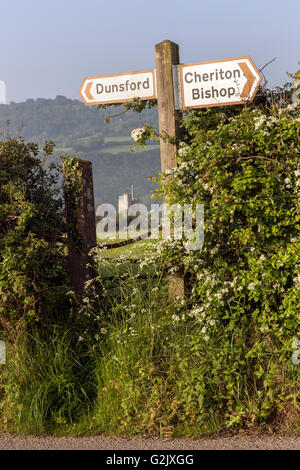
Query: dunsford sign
[117, 88]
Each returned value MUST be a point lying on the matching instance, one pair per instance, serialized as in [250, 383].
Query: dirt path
[8, 442]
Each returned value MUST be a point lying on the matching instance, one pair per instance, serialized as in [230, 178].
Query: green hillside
[80, 130]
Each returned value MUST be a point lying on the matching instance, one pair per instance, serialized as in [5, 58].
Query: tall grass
[48, 382]
[158, 373]
[138, 363]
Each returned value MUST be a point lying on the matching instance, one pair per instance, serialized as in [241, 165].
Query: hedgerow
[33, 275]
[221, 356]
[244, 284]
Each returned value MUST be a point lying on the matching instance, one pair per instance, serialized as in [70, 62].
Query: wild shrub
[221, 357]
[245, 281]
[33, 276]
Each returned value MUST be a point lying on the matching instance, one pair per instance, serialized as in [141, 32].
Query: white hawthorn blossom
[183, 149]
[137, 134]
[259, 121]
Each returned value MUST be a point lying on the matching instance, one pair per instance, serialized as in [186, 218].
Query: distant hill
[80, 130]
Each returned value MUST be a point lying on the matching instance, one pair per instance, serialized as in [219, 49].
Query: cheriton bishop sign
[218, 83]
[117, 88]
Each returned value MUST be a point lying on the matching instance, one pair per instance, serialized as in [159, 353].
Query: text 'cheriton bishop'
[218, 83]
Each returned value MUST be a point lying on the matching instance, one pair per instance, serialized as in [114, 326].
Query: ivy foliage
[33, 275]
[72, 190]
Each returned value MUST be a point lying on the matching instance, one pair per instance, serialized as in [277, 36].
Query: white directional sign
[218, 82]
[117, 88]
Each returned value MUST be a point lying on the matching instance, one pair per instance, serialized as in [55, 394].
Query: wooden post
[169, 119]
[80, 218]
[167, 55]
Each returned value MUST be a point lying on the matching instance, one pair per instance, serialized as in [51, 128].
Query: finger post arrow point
[250, 79]
[87, 91]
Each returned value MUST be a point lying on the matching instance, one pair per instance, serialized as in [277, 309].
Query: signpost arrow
[219, 82]
[87, 91]
[117, 88]
[250, 79]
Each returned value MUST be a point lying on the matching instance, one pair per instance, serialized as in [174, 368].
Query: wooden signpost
[169, 121]
[176, 87]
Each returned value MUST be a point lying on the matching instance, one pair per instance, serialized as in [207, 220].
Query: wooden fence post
[169, 119]
[81, 222]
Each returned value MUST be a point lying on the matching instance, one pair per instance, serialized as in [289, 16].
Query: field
[113, 145]
[125, 260]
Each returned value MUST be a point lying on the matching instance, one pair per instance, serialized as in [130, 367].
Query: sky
[49, 46]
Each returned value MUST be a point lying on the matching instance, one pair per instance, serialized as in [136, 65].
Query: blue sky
[49, 46]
